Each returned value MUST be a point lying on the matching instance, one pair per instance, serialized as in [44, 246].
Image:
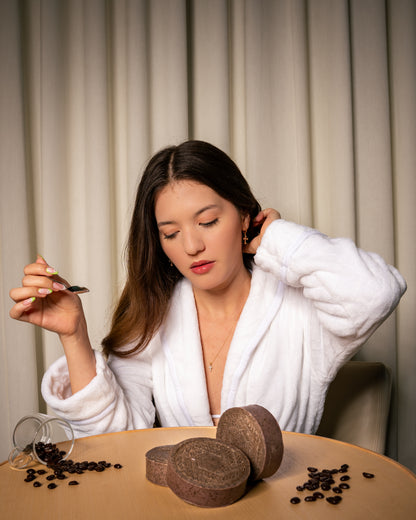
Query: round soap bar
[206, 472]
[255, 431]
[157, 464]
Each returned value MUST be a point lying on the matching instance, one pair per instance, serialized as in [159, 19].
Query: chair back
[357, 405]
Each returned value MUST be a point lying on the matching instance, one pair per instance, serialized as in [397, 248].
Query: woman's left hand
[263, 219]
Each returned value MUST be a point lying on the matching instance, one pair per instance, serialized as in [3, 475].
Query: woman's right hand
[44, 301]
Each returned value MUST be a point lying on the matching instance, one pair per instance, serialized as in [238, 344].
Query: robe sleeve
[352, 290]
[118, 398]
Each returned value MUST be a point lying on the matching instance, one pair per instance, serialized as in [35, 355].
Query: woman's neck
[224, 303]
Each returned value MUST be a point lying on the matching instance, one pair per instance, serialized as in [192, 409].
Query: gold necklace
[210, 365]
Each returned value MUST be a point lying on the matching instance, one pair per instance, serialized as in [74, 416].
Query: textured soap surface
[157, 464]
[207, 472]
[255, 431]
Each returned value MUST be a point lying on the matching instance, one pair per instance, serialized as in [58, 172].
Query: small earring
[245, 239]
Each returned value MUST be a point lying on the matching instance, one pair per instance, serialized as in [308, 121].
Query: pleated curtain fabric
[314, 99]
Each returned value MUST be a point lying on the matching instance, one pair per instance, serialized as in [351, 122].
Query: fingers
[266, 214]
[263, 219]
[21, 309]
[39, 281]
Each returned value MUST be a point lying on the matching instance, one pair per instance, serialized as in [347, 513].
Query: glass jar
[35, 439]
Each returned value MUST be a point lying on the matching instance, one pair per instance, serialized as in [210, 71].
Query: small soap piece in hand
[255, 431]
[206, 472]
[157, 464]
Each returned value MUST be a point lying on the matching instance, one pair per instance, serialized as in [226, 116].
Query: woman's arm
[352, 290]
[44, 301]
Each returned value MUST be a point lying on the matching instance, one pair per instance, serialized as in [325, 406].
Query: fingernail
[44, 291]
[58, 286]
[51, 270]
[29, 301]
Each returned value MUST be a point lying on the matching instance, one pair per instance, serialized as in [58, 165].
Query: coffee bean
[337, 489]
[300, 488]
[295, 500]
[344, 486]
[41, 471]
[118, 466]
[37, 484]
[368, 475]
[344, 478]
[51, 477]
[310, 498]
[334, 500]
[73, 483]
[312, 469]
[52, 486]
[317, 494]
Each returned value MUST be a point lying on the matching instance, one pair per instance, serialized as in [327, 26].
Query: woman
[224, 305]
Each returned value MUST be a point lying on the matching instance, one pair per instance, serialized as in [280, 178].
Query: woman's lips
[202, 267]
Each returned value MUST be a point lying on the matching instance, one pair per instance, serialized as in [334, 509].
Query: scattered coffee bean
[337, 490]
[295, 500]
[310, 498]
[368, 475]
[318, 494]
[344, 486]
[334, 500]
[344, 478]
[54, 460]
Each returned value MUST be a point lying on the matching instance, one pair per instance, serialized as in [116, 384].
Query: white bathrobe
[313, 301]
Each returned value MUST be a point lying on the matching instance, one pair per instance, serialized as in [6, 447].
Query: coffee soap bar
[157, 463]
[207, 472]
[255, 431]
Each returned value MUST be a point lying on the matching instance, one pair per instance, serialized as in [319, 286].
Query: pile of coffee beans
[60, 468]
[326, 481]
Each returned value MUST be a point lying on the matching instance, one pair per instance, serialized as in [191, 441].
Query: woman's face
[200, 232]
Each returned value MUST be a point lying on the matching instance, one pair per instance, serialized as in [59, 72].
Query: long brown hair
[150, 276]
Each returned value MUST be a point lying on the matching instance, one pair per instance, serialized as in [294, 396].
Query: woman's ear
[245, 222]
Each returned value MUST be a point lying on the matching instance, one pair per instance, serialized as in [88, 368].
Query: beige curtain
[314, 99]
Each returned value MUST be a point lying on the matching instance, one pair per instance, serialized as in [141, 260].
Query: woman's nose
[192, 243]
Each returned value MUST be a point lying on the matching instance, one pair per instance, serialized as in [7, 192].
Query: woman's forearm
[80, 358]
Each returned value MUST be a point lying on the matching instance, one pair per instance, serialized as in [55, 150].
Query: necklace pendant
[210, 367]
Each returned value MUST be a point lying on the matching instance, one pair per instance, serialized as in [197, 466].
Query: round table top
[126, 493]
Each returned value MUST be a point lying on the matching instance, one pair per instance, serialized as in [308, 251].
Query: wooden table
[125, 494]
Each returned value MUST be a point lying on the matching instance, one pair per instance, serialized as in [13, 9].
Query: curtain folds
[314, 99]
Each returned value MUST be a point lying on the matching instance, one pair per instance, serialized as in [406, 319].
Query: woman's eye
[170, 236]
[210, 223]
